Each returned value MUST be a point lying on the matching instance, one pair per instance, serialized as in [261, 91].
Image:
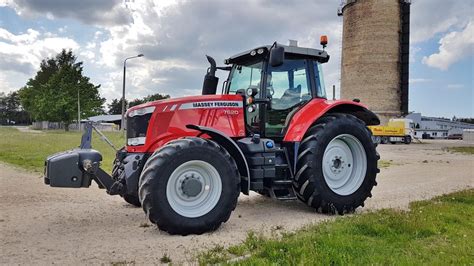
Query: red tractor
[272, 131]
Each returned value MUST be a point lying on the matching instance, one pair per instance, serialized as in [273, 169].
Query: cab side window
[288, 85]
[320, 87]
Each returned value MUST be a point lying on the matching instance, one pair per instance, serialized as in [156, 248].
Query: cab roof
[295, 52]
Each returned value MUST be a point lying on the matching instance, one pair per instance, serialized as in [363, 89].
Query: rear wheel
[384, 140]
[336, 165]
[189, 186]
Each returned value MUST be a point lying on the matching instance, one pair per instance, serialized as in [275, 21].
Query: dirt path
[43, 225]
[27, 129]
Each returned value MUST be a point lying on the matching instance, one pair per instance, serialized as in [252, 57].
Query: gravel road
[43, 225]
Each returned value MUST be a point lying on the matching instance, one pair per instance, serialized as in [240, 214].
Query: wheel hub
[191, 186]
[337, 164]
[194, 188]
[344, 164]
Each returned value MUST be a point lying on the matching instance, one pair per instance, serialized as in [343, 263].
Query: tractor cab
[277, 80]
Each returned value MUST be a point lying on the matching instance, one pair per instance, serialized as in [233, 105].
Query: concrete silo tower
[375, 55]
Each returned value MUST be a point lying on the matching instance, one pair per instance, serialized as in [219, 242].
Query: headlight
[136, 141]
[142, 111]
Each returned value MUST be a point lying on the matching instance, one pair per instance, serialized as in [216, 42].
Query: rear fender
[312, 111]
[234, 151]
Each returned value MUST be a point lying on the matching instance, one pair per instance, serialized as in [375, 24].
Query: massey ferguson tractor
[272, 131]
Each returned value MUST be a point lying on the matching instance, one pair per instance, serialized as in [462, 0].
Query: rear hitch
[78, 167]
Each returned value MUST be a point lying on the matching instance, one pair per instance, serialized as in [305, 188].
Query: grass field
[384, 163]
[466, 150]
[29, 150]
[434, 232]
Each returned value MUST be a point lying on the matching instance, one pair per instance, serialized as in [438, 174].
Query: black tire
[376, 140]
[384, 140]
[131, 199]
[407, 140]
[159, 168]
[263, 193]
[310, 185]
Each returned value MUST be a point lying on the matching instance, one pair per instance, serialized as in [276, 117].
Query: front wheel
[132, 199]
[336, 164]
[189, 186]
[117, 172]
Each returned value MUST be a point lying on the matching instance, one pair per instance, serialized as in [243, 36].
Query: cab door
[288, 87]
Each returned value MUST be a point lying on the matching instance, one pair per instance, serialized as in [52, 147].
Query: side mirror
[277, 56]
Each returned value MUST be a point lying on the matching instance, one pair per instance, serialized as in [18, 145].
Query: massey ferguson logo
[211, 104]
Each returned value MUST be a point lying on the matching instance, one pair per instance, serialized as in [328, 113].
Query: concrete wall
[370, 68]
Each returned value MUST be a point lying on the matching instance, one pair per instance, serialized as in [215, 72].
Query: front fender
[233, 149]
[312, 111]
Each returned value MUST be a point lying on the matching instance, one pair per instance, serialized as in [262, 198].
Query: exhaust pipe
[209, 86]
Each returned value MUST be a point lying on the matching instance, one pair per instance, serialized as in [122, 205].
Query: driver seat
[291, 96]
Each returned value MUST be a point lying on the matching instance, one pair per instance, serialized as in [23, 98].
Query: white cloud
[454, 46]
[12, 80]
[455, 86]
[21, 54]
[63, 29]
[419, 80]
[105, 13]
[88, 54]
[29, 37]
[175, 35]
[432, 17]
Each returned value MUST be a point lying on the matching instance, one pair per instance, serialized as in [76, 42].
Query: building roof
[105, 118]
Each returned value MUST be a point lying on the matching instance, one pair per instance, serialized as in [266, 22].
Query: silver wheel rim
[194, 188]
[344, 164]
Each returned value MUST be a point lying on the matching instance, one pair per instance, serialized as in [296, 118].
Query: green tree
[149, 98]
[33, 87]
[53, 93]
[11, 111]
[3, 109]
[115, 107]
[466, 120]
[156, 97]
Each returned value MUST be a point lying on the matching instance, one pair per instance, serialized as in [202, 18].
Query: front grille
[137, 127]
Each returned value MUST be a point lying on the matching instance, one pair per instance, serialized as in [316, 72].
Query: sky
[175, 36]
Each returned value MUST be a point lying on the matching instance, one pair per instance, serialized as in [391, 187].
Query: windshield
[244, 77]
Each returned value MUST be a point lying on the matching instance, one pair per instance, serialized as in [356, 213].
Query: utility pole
[122, 127]
[78, 111]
